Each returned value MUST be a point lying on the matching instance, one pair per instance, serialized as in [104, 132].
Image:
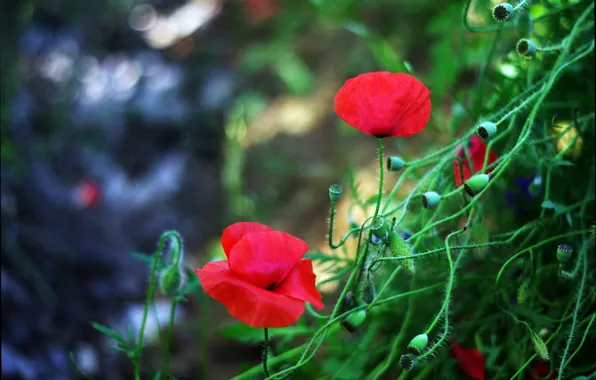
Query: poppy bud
[486, 130]
[356, 318]
[395, 163]
[335, 192]
[367, 291]
[476, 184]
[503, 12]
[418, 344]
[540, 347]
[380, 227]
[526, 48]
[430, 199]
[522, 292]
[535, 186]
[408, 361]
[170, 280]
[399, 248]
[564, 253]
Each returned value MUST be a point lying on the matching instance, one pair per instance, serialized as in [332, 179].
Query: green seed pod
[418, 344]
[380, 228]
[430, 199]
[395, 163]
[408, 362]
[540, 347]
[564, 253]
[526, 48]
[503, 12]
[523, 292]
[486, 130]
[335, 192]
[476, 184]
[399, 248]
[170, 280]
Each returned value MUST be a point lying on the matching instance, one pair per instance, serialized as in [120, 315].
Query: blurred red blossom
[469, 360]
[477, 150]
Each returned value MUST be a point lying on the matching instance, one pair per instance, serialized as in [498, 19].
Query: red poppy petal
[300, 284]
[233, 233]
[266, 258]
[254, 306]
[470, 361]
[384, 104]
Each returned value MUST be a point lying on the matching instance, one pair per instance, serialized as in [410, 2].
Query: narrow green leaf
[108, 332]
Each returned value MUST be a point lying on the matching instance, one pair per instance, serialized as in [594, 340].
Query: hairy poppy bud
[526, 48]
[522, 292]
[395, 163]
[418, 344]
[564, 253]
[503, 12]
[476, 184]
[170, 280]
[430, 199]
[335, 191]
[367, 291]
[380, 227]
[535, 186]
[399, 248]
[408, 361]
[486, 130]
[540, 347]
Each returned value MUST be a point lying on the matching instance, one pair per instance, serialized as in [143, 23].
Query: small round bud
[380, 227]
[418, 344]
[540, 347]
[335, 191]
[526, 48]
[503, 12]
[564, 253]
[476, 184]
[486, 130]
[170, 280]
[354, 320]
[543, 332]
[430, 199]
[408, 362]
[395, 163]
[535, 186]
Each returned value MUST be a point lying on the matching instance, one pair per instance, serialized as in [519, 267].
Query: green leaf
[108, 332]
[296, 75]
[74, 362]
[247, 334]
[386, 56]
[148, 259]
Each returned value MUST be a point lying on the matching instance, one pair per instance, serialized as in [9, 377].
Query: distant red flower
[260, 10]
[265, 282]
[477, 150]
[470, 360]
[384, 104]
[541, 371]
[87, 194]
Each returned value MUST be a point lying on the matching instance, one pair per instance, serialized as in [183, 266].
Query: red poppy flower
[470, 361]
[260, 10]
[477, 150]
[384, 104]
[87, 194]
[541, 371]
[264, 282]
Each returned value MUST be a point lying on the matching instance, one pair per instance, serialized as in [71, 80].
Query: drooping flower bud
[395, 163]
[540, 347]
[400, 248]
[564, 253]
[503, 12]
[535, 186]
[526, 48]
[380, 228]
[486, 130]
[335, 191]
[408, 362]
[430, 199]
[523, 292]
[476, 184]
[171, 280]
[418, 344]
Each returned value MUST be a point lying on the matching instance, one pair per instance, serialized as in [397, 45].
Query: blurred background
[125, 118]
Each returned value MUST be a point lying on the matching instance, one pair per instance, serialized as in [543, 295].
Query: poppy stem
[379, 197]
[265, 349]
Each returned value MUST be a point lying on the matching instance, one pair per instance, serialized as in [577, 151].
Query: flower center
[271, 286]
